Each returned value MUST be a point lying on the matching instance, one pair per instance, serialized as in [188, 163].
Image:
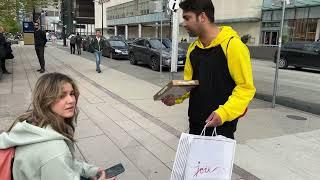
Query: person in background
[98, 44]
[72, 44]
[40, 41]
[3, 51]
[78, 43]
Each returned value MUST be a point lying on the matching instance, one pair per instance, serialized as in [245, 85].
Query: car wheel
[155, 65]
[283, 63]
[132, 59]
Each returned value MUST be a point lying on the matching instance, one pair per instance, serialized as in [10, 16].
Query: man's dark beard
[192, 33]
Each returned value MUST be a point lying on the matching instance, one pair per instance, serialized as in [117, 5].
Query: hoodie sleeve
[240, 69]
[60, 168]
[86, 170]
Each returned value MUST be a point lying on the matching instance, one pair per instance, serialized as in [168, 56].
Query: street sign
[174, 5]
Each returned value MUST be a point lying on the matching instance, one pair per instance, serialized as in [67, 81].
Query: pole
[63, 23]
[102, 17]
[175, 33]
[161, 45]
[275, 88]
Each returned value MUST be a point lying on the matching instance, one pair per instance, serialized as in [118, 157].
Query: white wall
[244, 28]
[233, 9]
[318, 30]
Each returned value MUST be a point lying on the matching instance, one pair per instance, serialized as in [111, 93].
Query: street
[298, 89]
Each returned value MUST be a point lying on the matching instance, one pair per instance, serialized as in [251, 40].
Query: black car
[147, 51]
[116, 49]
[300, 54]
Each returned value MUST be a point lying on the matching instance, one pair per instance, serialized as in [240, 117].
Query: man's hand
[169, 101]
[214, 120]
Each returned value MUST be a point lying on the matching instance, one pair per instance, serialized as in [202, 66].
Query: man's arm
[240, 69]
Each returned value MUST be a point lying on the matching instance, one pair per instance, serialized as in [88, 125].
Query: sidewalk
[120, 122]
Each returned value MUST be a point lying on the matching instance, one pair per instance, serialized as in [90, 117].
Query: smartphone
[113, 171]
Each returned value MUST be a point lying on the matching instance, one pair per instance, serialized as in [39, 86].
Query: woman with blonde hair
[44, 136]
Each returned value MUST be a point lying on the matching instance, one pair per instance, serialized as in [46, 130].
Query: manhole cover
[300, 118]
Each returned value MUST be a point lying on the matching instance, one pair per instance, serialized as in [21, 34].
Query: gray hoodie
[42, 153]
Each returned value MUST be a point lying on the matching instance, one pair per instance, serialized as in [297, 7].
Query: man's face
[98, 33]
[191, 23]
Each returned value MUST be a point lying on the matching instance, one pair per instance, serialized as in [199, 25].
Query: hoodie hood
[24, 133]
[225, 34]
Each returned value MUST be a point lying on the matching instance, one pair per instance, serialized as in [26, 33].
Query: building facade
[84, 17]
[302, 21]
[142, 18]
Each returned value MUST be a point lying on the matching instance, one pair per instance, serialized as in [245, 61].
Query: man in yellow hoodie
[221, 63]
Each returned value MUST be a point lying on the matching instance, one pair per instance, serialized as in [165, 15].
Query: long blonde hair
[1, 29]
[47, 91]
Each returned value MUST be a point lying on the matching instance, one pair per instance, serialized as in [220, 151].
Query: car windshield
[166, 43]
[156, 44]
[117, 43]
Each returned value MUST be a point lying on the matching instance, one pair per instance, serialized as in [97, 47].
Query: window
[117, 43]
[302, 13]
[266, 16]
[139, 42]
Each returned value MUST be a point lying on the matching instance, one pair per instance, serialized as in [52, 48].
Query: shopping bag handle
[214, 132]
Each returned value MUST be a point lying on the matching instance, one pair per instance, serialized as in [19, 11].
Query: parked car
[86, 43]
[183, 46]
[147, 51]
[116, 49]
[299, 55]
[130, 40]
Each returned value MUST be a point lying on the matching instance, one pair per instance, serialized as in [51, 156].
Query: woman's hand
[103, 175]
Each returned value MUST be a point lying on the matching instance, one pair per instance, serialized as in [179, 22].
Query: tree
[9, 10]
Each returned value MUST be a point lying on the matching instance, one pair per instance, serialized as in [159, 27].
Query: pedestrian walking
[72, 44]
[40, 41]
[44, 136]
[78, 43]
[3, 51]
[54, 39]
[221, 63]
[98, 44]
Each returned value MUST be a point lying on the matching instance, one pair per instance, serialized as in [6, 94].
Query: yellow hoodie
[238, 57]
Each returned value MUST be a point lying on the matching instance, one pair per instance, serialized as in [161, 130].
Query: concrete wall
[235, 9]
[243, 28]
[318, 30]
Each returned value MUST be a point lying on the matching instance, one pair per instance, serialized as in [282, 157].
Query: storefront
[301, 24]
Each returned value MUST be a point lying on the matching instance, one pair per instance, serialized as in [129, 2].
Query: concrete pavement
[119, 122]
[297, 89]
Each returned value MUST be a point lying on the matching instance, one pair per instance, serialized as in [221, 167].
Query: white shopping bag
[203, 158]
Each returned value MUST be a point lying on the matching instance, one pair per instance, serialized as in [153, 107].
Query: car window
[310, 47]
[167, 43]
[139, 42]
[117, 43]
[155, 43]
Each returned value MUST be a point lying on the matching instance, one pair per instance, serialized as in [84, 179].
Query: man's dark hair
[199, 6]
[77, 34]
